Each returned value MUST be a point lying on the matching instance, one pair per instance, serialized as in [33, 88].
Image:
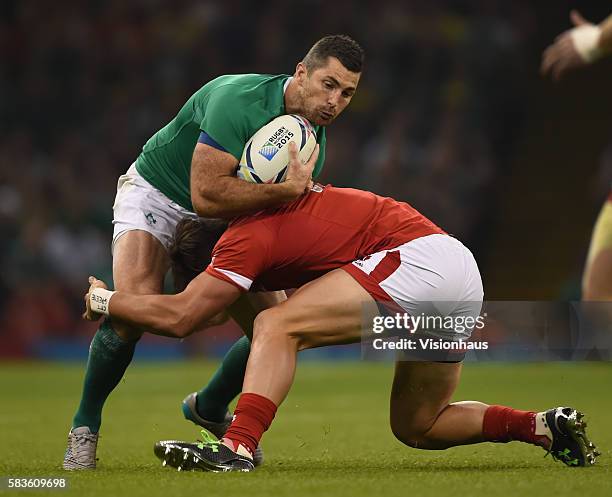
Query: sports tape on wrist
[99, 300]
[586, 40]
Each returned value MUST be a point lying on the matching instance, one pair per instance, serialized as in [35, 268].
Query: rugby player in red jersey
[344, 249]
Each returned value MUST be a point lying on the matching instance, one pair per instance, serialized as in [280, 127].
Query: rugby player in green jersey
[187, 169]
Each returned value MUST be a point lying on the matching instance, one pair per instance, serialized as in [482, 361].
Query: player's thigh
[144, 221]
[326, 311]
[140, 263]
[421, 390]
[597, 279]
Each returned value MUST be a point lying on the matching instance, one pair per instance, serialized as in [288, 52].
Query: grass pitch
[331, 437]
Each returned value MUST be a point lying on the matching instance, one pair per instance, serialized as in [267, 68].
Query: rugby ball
[266, 155]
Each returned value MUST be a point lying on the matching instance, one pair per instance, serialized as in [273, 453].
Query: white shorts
[141, 206]
[435, 275]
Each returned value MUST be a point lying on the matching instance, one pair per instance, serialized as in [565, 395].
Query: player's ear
[301, 72]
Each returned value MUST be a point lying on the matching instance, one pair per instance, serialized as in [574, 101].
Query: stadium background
[451, 116]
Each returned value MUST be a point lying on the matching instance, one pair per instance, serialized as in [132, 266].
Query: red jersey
[327, 228]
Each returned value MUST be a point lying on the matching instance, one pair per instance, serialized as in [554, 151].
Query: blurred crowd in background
[85, 83]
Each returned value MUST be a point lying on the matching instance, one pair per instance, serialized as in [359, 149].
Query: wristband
[99, 300]
[586, 41]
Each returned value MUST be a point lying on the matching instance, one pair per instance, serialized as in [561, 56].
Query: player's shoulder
[244, 86]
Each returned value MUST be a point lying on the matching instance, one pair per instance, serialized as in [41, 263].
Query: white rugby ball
[266, 155]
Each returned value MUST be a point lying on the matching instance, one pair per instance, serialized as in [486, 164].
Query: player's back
[323, 230]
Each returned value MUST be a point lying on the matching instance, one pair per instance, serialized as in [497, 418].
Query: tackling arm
[176, 316]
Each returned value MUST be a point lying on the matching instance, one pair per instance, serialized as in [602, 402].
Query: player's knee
[406, 435]
[411, 432]
[267, 324]
[414, 439]
[271, 325]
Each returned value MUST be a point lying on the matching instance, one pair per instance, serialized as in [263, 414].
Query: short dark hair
[191, 248]
[342, 47]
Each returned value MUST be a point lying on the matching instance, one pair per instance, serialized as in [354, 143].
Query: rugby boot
[81, 451]
[209, 455]
[570, 443]
[217, 429]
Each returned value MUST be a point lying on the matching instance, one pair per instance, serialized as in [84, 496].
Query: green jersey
[229, 109]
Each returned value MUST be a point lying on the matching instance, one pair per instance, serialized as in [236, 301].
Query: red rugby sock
[252, 417]
[504, 424]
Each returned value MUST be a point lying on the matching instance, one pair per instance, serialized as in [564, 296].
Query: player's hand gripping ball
[266, 155]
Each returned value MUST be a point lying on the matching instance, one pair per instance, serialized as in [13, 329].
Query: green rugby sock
[109, 357]
[226, 383]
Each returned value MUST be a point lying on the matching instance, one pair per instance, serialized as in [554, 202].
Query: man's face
[325, 91]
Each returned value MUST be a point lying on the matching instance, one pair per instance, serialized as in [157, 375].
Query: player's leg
[209, 408]
[144, 222]
[212, 401]
[323, 312]
[327, 311]
[597, 279]
[421, 413]
[139, 265]
[423, 417]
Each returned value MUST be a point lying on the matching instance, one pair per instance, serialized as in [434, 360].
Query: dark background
[451, 115]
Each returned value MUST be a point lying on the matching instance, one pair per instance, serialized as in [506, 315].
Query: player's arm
[180, 315]
[584, 44]
[216, 192]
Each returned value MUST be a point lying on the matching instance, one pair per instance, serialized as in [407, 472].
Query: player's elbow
[204, 205]
[207, 203]
[180, 327]
[177, 322]
[189, 317]
[188, 325]
[213, 199]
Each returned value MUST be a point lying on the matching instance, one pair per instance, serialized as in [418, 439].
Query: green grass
[331, 436]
